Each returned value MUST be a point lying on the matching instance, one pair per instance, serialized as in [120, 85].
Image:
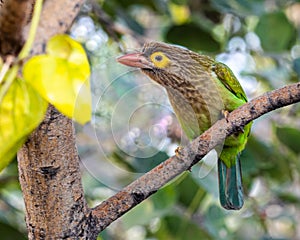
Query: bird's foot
[178, 151]
[225, 113]
[239, 130]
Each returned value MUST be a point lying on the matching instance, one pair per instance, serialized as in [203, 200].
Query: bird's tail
[230, 185]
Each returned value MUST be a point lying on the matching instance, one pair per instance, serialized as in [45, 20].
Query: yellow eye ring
[159, 59]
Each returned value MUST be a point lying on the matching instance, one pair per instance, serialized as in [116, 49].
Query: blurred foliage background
[134, 128]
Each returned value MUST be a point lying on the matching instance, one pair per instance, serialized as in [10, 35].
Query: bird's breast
[197, 106]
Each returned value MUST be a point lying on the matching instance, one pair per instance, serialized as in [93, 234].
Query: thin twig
[33, 28]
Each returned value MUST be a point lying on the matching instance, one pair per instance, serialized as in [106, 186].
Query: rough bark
[50, 179]
[14, 14]
[56, 18]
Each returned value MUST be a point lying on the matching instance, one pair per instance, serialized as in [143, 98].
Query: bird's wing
[226, 76]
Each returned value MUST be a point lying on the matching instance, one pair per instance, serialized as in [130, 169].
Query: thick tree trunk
[51, 182]
[48, 162]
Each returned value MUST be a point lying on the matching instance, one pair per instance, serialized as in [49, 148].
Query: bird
[201, 92]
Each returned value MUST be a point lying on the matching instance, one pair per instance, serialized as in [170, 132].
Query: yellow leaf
[180, 13]
[62, 77]
[21, 110]
[58, 47]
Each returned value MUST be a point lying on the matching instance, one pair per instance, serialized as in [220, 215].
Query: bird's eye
[159, 59]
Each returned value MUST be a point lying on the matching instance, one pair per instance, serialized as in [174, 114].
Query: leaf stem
[33, 28]
[9, 60]
[10, 74]
[10, 77]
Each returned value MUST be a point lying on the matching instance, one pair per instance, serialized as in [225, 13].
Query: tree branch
[114, 207]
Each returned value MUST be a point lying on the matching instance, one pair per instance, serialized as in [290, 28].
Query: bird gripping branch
[200, 91]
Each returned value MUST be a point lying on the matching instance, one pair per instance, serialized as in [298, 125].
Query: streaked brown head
[166, 64]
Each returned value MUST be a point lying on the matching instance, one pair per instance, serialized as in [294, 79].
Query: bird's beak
[134, 60]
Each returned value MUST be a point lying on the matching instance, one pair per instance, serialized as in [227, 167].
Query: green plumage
[200, 91]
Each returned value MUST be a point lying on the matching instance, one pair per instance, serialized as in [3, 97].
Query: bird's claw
[225, 113]
[240, 129]
[178, 151]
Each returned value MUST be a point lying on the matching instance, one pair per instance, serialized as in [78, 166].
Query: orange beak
[134, 60]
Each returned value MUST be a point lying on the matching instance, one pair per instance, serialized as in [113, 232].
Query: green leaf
[289, 198]
[192, 36]
[177, 227]
[289, 137]
[165, 198]
[276, 33]
[209, 182]
[189, 192]
[147, 163]
[131, 22]
[8, 232]
[260, 159]
[157, 205]
[61, 77]
[240, 7]
[142, 214]
[21, 110]
[214, 220]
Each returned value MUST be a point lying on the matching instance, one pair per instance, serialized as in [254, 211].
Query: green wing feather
[229, 166]
[227, 78]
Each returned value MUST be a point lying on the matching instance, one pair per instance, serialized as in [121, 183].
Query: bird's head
[165, 63]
